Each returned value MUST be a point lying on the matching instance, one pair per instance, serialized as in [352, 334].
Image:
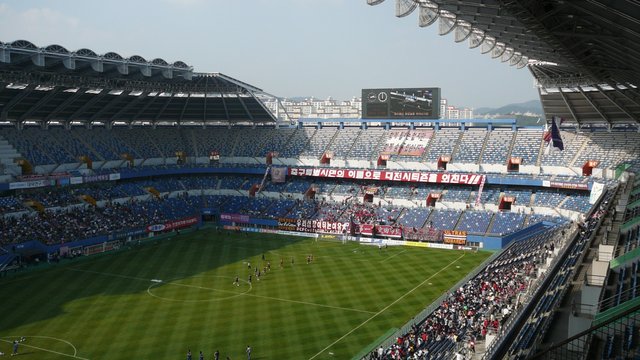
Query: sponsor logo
[156, 227]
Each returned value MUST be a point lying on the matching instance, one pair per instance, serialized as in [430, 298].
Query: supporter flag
[278, 174]
[552, 137]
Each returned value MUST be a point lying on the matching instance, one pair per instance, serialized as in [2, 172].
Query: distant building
[453, 112]
[317, 108]
[350, 109]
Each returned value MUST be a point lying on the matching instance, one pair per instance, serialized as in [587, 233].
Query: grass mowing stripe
[108, 274]
[394, 255]
[226, 291]
[114, 318]
[386, 307]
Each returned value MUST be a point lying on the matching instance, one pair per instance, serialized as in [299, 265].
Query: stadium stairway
[614, 336]
[511, 144]
[95, 156]
[457, 146]
[345, 154]
[194, 142]
[573, 313]
[8, 155]
[484, 147]
[562, 202]
[493, 219]
[373, 158]
[579, 152]
[540, 152]
[330, 143]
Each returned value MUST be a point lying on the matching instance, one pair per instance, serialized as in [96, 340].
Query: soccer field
[160, 299]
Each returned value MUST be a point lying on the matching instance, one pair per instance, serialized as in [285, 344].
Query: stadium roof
[585, 55]
[51, 83]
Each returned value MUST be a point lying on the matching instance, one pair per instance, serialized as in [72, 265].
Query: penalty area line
[386, 307]
[47, 350]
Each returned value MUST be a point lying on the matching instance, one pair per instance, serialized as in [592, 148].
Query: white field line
[226, 291]
[47, 350]
[385, 308]
[394, 255]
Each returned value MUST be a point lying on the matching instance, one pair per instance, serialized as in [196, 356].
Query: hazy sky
[288, 48]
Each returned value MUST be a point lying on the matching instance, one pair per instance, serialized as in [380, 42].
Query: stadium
[149, 210]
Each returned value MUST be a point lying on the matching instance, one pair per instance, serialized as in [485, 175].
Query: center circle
[173, 282]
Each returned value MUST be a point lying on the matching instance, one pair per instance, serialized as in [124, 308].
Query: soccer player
[248, 265]
[237, 281]
[216, 355]
[15, 348]
[249, 278]
[189, 354]
[248, 352]
[269, 265]
[201, 355]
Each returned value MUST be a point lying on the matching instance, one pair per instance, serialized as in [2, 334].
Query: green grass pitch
[110, 307]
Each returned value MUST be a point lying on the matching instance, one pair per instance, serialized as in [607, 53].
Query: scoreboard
[401, 103]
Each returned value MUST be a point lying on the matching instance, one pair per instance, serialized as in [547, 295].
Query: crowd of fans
[477, 308]
[67, 214]
[77, 223]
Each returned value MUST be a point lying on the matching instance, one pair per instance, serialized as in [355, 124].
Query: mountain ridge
[531, 106]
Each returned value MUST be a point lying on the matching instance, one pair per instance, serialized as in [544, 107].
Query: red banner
[174, 224]
[389, 175]
[322, 226]
[388, 231]
[366, 229]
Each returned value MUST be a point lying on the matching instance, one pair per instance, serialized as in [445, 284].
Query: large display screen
[407, 103]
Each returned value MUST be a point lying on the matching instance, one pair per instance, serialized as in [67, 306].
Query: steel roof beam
[226, 110]
[64, 104]
[86, 105]
[115, 100]
[144, 108]
[128, 106]
[163, 108]
[45, 99]
[569, 106]
[618, 105]
[244, 106]
[184, 107]
[594, 105]
[14, 101]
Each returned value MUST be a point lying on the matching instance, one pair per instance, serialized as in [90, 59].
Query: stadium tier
[58, 146]
[517, 241]
[453, 188]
